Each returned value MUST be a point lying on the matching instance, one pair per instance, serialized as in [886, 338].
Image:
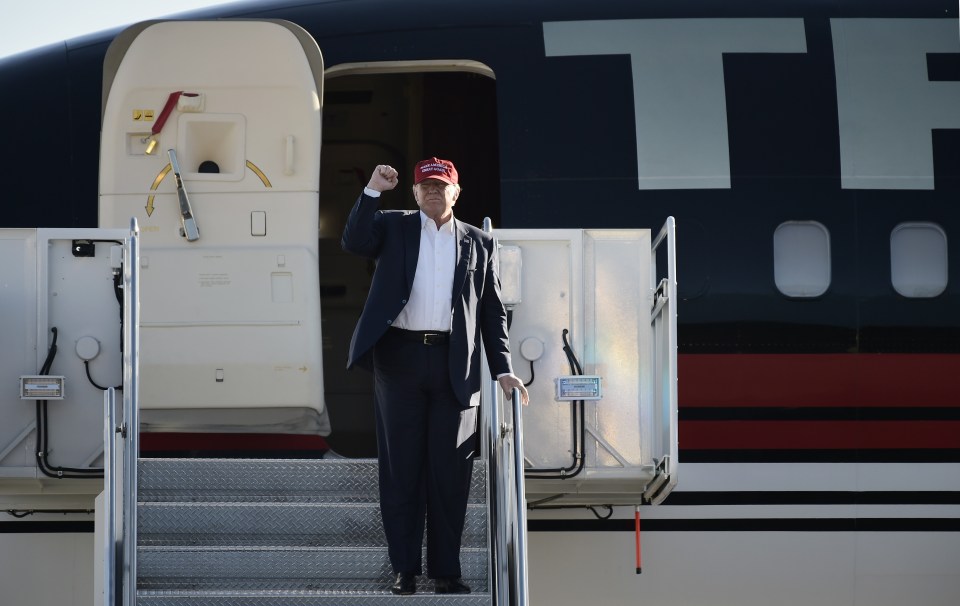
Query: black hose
[43, 423]
[22, 513]
[86, 366]
[579, 434]
[592, 508]
[42, 428]
[51, 353]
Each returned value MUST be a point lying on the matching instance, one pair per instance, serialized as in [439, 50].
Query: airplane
[809, 153]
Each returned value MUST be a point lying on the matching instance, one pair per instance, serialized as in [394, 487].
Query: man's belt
[427, 337]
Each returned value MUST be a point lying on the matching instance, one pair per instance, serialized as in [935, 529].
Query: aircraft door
[211, 138]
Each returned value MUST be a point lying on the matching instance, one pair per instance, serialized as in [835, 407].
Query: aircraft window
[801, 258]
[918, 259]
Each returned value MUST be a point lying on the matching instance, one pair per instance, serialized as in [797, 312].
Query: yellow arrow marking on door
[156, 183]
[166, 170]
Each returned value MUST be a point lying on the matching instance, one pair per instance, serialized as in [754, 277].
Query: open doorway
[397, 119]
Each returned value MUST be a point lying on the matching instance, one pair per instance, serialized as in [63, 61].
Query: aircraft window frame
[400, 67]
[802, 259]
[919, 266]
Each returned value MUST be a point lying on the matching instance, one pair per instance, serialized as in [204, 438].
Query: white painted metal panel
[597, 285]
[231, 322]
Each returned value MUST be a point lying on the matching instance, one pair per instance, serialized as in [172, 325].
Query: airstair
[185, 532]
[271, 532]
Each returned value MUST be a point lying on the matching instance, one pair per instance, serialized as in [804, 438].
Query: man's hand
[508, 382]
[384, 178]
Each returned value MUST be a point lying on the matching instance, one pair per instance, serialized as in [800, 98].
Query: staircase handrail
[111, 542]
[498, 525]
[507, 502]
[506, 497]
[521, 584]
[131, 409]
[120, 468]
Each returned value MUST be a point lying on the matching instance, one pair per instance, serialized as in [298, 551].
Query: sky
[27, 24]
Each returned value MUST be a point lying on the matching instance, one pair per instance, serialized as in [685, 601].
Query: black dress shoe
[450, 586]
[406, 584]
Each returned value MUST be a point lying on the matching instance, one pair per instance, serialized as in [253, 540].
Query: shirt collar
[445, 228]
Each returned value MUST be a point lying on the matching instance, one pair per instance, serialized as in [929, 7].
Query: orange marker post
[637, 525]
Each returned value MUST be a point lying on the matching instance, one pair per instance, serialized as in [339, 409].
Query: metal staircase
[243, 532]
[271, 532]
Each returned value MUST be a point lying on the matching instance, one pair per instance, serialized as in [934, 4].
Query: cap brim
[446, 180]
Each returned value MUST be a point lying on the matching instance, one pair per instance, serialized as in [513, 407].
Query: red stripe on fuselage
[804, 380]
[799, 381]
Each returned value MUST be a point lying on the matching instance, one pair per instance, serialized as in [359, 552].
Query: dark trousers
[422, 470]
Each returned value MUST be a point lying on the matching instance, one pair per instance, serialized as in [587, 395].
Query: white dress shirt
[430, 306]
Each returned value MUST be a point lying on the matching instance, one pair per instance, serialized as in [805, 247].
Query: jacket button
[404, 302]
[389, 321]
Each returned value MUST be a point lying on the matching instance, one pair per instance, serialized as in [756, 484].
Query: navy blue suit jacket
[392, 238]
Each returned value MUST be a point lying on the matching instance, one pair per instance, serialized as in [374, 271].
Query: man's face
[436, 199]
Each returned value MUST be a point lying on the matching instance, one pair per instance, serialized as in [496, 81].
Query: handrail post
[110, 488]
[663, 318]
[507, 496]
[499, 561]
[521, 584]
[131, 417]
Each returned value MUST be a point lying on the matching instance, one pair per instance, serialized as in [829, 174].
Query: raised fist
[384, 178]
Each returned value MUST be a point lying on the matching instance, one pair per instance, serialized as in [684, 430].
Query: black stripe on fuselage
[753, 525]
[776, 337]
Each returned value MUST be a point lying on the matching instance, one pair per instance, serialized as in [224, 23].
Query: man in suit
[435, 294]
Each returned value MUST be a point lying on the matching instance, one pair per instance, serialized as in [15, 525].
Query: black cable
[118, 289]
[22, 513]
[600, 517]
[43, 423]
[579, 433]
[51, 353]
[532, 376]
[86, 366]
[571, 357]
[536, 505]
[43, 426]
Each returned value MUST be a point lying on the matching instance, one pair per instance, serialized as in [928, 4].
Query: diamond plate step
[270, 480]
[307, 598]
[277, 524]
[290, 568]
[234, 532]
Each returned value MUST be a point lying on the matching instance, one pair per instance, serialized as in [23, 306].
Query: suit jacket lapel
[464, 250]
[411, 249]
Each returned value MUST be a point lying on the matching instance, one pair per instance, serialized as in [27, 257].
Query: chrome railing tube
[520, 579]
[110, 494]
[506, 495]
[131, 417]
[499, 549]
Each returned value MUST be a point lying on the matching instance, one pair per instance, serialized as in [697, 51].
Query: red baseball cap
[435, 168]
